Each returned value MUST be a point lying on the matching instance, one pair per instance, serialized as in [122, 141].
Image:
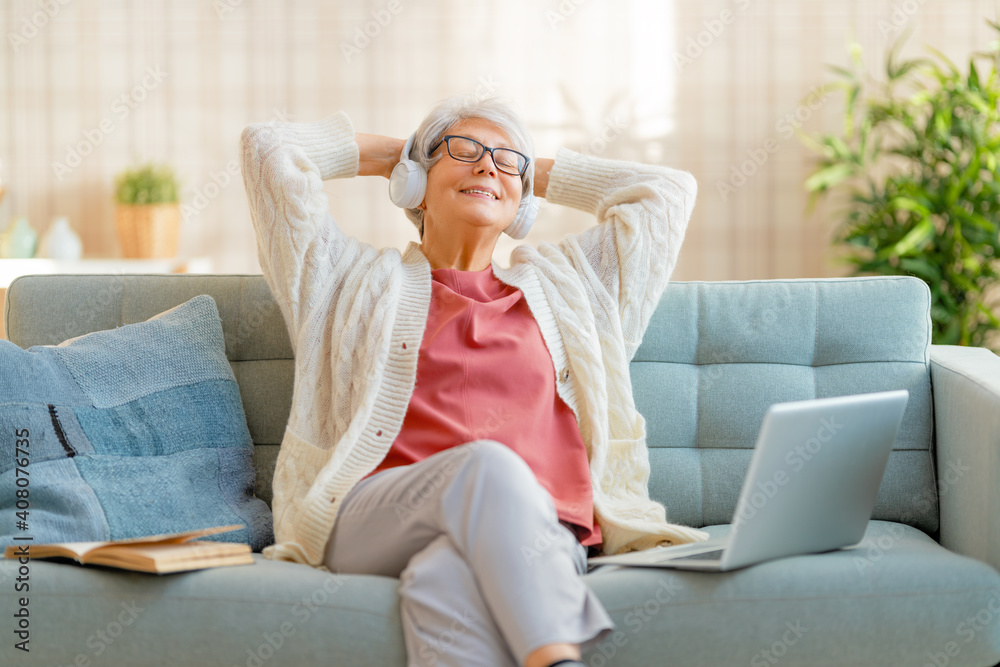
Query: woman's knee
[494, 455]
[494, 465]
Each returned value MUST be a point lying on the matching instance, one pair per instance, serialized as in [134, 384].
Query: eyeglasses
[465, 149]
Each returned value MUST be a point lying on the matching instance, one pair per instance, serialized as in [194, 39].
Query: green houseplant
[917, 162]
[147, 211]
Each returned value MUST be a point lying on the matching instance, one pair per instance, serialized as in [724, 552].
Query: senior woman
[465, 427]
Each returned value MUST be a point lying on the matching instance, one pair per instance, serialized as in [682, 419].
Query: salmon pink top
[483, 371]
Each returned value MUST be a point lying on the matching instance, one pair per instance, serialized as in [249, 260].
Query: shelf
[12, 268]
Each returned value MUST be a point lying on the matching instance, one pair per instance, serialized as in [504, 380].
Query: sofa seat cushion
[896, 598]
[272, 613]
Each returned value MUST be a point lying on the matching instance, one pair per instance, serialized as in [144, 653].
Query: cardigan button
[333, 500]
[404, 346]
[378, 432]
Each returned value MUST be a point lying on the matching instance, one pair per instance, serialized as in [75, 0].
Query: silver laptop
[811, 487]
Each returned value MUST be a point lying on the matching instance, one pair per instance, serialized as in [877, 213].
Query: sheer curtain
[697, 85]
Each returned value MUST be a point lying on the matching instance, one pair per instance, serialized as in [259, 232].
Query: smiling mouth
[482, 194]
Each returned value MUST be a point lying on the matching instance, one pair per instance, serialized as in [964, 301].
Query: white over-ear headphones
[408, 184]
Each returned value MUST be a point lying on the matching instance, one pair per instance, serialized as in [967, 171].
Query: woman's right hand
[378, 155]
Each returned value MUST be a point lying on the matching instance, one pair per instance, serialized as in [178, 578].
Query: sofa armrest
[966, 384]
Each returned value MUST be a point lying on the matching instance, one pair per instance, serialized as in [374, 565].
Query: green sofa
[922, 588]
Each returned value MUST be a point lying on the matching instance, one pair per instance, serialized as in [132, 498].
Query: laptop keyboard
[708, 555]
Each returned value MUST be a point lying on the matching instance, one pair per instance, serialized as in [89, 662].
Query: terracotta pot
[148, 230]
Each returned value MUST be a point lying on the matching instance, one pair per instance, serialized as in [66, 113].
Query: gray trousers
[487, 572]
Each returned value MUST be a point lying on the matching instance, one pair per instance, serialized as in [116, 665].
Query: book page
[165, 553]
[80, 549]
[171, 557]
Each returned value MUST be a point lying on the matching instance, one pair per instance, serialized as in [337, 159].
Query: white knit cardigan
[356, 316]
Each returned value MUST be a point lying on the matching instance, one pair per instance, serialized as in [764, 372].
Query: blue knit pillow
[127, 432]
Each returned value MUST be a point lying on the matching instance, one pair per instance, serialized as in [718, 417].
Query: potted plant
[917, 162]
[147, 212]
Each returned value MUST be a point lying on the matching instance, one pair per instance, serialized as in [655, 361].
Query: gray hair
[454, 109]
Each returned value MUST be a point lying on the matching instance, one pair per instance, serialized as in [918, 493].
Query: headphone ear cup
[524, 219]
[407, 184]
[408, 181]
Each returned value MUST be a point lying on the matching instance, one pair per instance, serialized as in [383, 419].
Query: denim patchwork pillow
[132, 431]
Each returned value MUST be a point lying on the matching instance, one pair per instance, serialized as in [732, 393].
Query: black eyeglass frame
[486, 149]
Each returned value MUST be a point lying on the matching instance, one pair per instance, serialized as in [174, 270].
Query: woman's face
[448, 200]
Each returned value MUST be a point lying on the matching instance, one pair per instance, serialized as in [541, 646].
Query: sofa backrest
[716, 354]
[714, 357]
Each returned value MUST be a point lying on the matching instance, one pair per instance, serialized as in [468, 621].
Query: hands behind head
[377, 154]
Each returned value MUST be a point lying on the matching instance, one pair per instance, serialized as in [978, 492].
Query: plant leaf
[829, 176]
[973, 80]
[920, 234]
[910, 204]
[945, 59]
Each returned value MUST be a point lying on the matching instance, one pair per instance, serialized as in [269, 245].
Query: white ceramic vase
[61, 242]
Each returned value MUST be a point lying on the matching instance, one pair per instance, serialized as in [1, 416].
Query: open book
[154, 553]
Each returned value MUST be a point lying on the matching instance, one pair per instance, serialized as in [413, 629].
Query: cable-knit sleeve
[299, 245]
[642, 213]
